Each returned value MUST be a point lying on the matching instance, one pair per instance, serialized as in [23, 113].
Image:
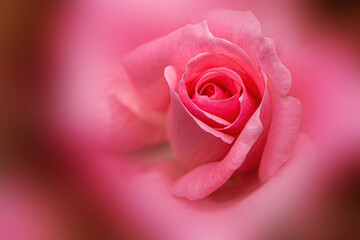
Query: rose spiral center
[213, 91]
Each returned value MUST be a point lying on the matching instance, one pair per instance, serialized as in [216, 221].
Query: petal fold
[203, 180]
[243, 29]
[145, 65]
[194, 142]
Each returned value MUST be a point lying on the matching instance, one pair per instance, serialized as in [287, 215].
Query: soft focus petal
[144, 200]
[94, 100]
[133, 124]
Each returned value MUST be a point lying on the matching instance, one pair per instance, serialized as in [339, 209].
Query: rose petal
[194, 143]
[203, 180]
[255, 154]
[208, 60]
[134, 124]
[226, 108]
[146, 64]
[248, 105]
[244, 29]
[143, 201]
[282, 135]
[131, 131]
[210, 119]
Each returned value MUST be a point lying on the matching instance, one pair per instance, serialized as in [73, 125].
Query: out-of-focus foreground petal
[139, 196]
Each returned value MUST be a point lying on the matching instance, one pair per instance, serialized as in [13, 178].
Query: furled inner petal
[224, 98]
[223, 86]
[206, 117]
[213, 91]
[220, 88]
[248, 105]
[204, 62]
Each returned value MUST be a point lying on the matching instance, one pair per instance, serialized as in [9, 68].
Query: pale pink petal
[92, 100]
[243, 29]
[97, 106]
[133, 124]
[130, 131]
[282, 135]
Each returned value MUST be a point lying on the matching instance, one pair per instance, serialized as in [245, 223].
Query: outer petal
[94, 100]
[133, 124]
[202, 181]
[243, 29]
[145, 65]
[143, 200]
[282, 135]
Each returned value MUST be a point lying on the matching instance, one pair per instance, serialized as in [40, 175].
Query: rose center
[213, 91]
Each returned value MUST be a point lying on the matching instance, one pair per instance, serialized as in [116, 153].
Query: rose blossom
[217, 92]
[229, 110]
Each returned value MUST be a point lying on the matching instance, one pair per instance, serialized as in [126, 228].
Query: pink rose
[216, 91]
[228, 111]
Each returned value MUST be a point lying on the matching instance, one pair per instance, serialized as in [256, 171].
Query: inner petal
[213, 91]
[218, 84]
[217, 92]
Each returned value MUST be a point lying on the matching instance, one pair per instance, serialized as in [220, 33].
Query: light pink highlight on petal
[133, 124]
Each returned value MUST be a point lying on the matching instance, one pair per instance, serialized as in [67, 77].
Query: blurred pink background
[34, 177]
